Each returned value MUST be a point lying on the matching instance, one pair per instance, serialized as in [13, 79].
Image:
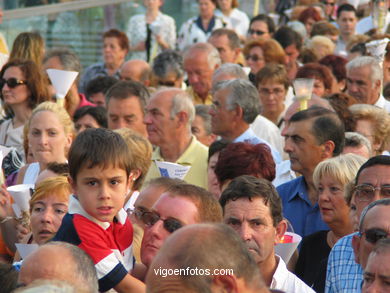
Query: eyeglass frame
[359, 198]
[370, 239]
[165, 223]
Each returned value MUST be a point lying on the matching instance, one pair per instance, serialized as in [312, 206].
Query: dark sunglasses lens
[12, 82]
[149, 218]
[2, 82]
[374, 235]
[171, 225]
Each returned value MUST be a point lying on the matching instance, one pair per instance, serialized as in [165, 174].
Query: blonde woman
[330, 178]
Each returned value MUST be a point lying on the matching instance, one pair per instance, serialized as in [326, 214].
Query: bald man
[136, 70]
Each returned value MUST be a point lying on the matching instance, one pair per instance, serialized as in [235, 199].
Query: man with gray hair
[168, 118]
[65, 59]
[63, 262]
[201, 126]
[235, 106]
[167, 69]
[364, 81]
[228, 71]
[200, 61]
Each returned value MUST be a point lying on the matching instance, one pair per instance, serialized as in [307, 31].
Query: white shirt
[365, 24]
[286, 281]
[383, 103]
[238, 20]
[268, 131]
[190, 33]
[283, 173]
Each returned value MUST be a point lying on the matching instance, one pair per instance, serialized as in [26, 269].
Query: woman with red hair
[308, 17]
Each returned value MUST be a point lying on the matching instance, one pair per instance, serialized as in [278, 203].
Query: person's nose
[245, 232]
[104, 193]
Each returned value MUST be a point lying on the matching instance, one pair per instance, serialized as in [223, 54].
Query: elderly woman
[167, 69]
[330, 179]
[239, 21]
[260, 52]
[337, 65]
[23, 87]
[373, 123]
[272, 83]
[198, 29]
[150, 33]
[115, 49]
[90, 117]
[323, 79]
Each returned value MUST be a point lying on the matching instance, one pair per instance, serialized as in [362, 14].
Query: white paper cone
[172, 170]
[61, 80]
[17, 211]
[21, 195]
[3, 152]
[377, 48]
[286, 250]
[26, 249]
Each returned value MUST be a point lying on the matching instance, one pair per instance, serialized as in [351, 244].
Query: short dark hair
[58, 168]
[251, 187]
[98, 147]
[217, 146]
[326, 126]
[234, 39]
[287, 36]
[243, 158]
[373, 161]
[125, 88]
[100, 84]
[209, 209]
[346, 7]
[266, 19]
[98, 113]
[8, 277]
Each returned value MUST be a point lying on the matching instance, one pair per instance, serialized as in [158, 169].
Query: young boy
[100, 175]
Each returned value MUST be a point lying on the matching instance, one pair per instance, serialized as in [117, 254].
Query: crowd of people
[217, 96]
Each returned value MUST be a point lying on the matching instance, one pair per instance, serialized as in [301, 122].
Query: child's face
[101, 192]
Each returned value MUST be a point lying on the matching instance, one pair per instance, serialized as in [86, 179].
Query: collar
[186, 158]
[197, 99]
[380, 102]
[298, 189]
[209, 28]
[246, 135]
[76, 208]
[280, 273]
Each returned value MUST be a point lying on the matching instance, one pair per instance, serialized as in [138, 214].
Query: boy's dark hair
[58, 168]
[287, 36]
[266, 19]
[98, 113]
[98, 147]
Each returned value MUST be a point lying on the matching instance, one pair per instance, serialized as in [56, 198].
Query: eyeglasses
[366, 192]
[138, 212]
[254, 58]
[11, 82]
[374, 235]
[329, 3]
[166, 83]
[268, 92]
[256, 32]
[170, 224]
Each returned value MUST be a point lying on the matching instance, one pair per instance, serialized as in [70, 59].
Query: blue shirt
[297, 208]
[91, 72]
[343, 274]
[250, 137]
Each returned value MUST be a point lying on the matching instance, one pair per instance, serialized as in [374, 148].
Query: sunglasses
[329, 3]
[374, 235]
[254, 58]
[256, 32]
[366, 192]
[170, 224]
[11, 82]
[166, 83]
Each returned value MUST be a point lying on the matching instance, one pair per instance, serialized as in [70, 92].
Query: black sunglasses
[257, 32]
[170, 224]
[166, 83]
[375, 234]
[11, 82]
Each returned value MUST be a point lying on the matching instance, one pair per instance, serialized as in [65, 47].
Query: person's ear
[356, 247]
[224, 283]
[239, 112]
[328, 148]
[182, 118]
[281, 229]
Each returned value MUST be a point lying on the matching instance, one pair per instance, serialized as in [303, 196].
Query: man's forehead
[370, 174]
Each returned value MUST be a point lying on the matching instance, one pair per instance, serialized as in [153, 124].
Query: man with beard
[253, 208]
